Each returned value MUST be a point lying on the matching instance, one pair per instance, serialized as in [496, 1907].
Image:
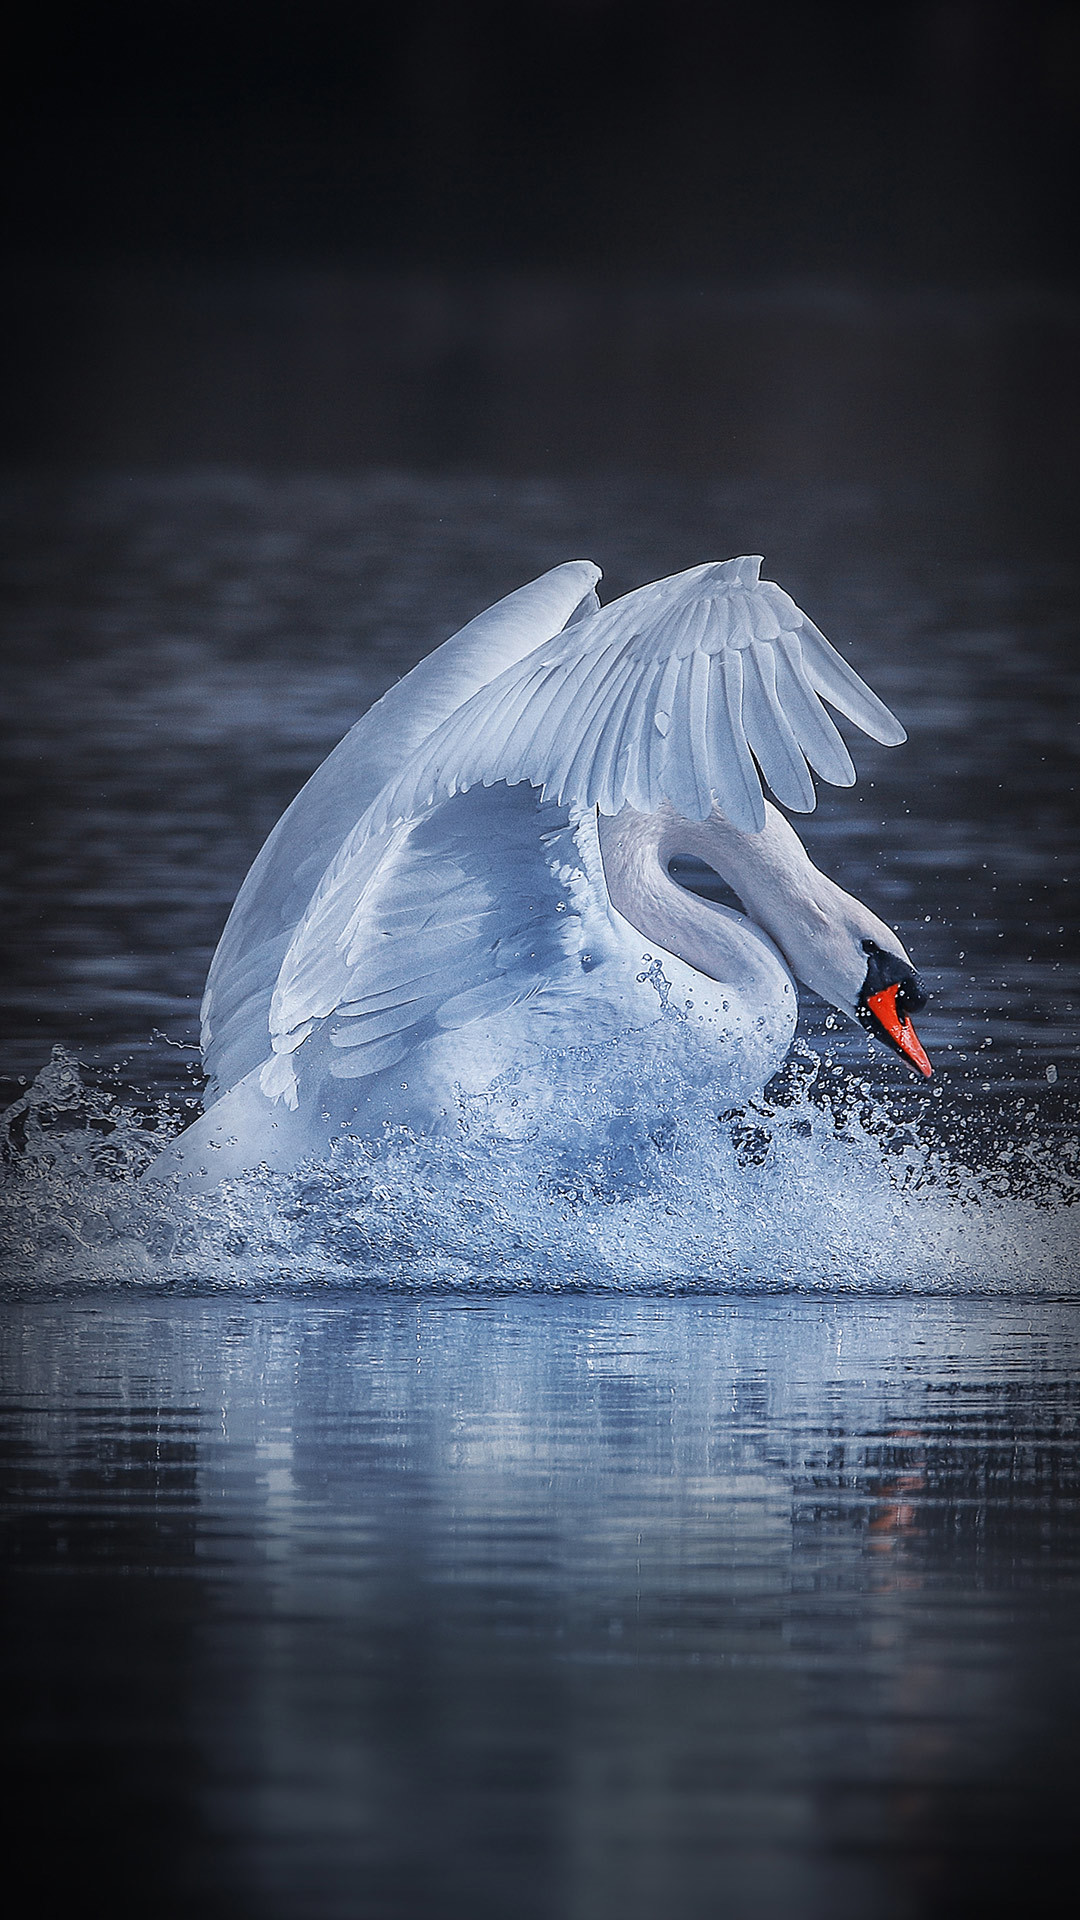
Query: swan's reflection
[896, 1517]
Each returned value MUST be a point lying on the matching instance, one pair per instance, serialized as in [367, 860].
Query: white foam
[817, 1187]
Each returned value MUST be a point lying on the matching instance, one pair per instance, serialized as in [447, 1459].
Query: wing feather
[561, 691]
[655, 756]
[356, 1028]
[830, 674]
[415, 995]
[460, 916]
[623, 716]
[520, 748]
[573, 766]
[518, 711]
[810, 723]
[599, 776]
[769, 733]
[760, 616]
[676, 777]
[698, 731]
[742, 800]
[359, 1062]
[665, 695]
[483, 1001]
[630, 742]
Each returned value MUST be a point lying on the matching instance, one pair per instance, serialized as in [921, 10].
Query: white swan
[477, 879]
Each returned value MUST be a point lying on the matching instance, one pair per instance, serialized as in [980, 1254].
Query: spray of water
[818, 1184]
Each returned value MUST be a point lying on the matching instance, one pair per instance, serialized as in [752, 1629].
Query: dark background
[806, 241]
[928, 142]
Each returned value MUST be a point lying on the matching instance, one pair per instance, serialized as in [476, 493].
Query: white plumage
[476, 881]
[667, 694]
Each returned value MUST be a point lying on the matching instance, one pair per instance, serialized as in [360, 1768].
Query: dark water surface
[546, 1607]
[441, 1537]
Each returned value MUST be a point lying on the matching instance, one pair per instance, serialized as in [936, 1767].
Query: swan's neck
[817, 927]
[635, 849]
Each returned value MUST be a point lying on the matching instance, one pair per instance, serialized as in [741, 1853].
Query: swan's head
[890, 994]
[857, 963]
[831, 941]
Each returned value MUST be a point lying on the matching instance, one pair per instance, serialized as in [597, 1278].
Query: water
[508, 1525]
[582, 1607]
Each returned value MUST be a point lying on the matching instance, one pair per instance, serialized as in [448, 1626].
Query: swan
[478, 880]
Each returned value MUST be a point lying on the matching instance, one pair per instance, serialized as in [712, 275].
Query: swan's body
[476, 883]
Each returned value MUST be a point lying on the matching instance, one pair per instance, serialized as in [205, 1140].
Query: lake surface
[464, 1530]
[589, 1607]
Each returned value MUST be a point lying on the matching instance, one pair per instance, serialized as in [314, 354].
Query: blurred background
[823, 243]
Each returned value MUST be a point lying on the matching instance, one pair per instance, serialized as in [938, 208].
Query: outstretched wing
[433, 924]
[670, 693]
[275, 896]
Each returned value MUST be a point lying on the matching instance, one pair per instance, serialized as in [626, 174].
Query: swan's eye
[911, 995]
[888, 970]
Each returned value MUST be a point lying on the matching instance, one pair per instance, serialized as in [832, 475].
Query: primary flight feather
[671, 693]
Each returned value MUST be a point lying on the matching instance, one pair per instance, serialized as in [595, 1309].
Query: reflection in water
[106, 1777]
[898, 1512]
[553, 1607]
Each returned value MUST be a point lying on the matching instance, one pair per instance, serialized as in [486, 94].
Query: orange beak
[899, 1029]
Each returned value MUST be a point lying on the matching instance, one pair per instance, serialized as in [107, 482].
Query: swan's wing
[671, 693]
[430, 925]
[274, 897]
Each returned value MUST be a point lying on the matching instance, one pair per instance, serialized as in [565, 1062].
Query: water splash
[818, 1184]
